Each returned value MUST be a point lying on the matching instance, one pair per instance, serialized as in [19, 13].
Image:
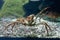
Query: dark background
[1, 3]
[32, 7]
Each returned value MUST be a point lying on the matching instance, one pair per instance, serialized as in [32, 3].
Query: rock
[25, 31]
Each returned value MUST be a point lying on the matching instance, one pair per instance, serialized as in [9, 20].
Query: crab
[28, 21]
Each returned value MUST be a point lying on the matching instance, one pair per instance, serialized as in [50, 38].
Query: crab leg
[13, 23]
[13, 26]
[46, 30]
[8, 25]
[46, 26]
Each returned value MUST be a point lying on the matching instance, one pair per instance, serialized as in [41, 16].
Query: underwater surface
[29, 31]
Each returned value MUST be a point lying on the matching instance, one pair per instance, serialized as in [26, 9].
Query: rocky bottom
[29, 31]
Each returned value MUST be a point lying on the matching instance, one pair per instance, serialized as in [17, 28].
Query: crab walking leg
[46, 30]
[46, 26]
[42, 12]
[8, 26]
[44, 23]
[11, 24]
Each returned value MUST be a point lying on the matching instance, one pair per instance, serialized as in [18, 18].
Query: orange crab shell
[30, 17]
[21, 20]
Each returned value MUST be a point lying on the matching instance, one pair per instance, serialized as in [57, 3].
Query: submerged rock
[29, 31]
